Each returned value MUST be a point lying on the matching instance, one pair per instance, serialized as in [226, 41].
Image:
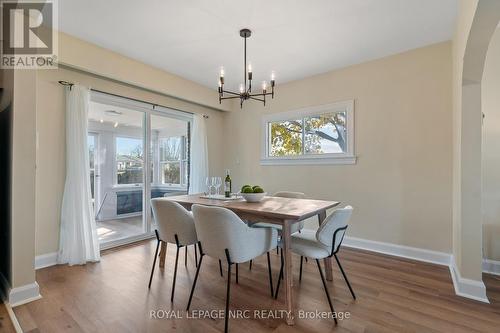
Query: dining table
[275, 210]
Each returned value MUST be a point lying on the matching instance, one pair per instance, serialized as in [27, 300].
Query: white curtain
[78, 237]
[199, 155]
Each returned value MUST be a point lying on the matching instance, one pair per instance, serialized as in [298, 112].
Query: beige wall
[401, 184]
[491, 150]
[94, 59]
[23, 178]
[51, 142]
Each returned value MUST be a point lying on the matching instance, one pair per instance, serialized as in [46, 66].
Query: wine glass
[218, 183]
[213, 184]
[209, 186]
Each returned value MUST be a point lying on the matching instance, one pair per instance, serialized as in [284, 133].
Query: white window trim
[181, 162]
[335, 158]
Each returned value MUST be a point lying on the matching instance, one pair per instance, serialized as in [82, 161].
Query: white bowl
[253, 197]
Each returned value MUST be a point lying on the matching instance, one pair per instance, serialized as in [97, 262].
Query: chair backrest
[294, 195]
[173, 219]
[336, 221]
[289, 194]
[219, 229]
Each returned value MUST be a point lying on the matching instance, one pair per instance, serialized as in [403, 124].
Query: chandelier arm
[231, 92]
[261, 94]
[232, 97]
[257, 99]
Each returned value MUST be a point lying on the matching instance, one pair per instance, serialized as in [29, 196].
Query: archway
[476, 24]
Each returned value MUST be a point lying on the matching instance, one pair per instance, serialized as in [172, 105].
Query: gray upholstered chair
[223, 235]
[283, 194]
[296, 227]
[175, 225]
[322, 243]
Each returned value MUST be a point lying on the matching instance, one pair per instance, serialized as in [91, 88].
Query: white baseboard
[434, 257]
[468, 288]
[472, 289]
[46, 260]
[50, 259]
[24, 294]
[491, 266]
[13, 318]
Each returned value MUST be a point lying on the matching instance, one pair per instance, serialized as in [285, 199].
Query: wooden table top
[272, 207]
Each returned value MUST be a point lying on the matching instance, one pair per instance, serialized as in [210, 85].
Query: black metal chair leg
[270, 274]
[345, 276]
[236, 273]
[175, 274]
[326, 291]
[195, 256]
[154, 263]
[226, 316]
[306, 259]
[250, 268]
[300, 272]
[220, 268]
[280, 277]
[277, 251]
[185, 256]
[194, 282]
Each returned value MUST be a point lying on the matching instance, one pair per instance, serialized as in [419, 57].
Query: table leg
[286, 237]
[163, 254]
[328, 261]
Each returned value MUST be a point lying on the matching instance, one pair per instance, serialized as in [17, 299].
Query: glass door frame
[147, 109]
[96, 171]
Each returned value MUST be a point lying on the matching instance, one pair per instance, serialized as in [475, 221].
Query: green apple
[246, 189]
[258, 189]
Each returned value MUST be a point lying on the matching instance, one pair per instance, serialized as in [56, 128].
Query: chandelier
[245, 91]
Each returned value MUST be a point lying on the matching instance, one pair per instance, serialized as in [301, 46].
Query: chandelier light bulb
[264, 85]
[242, 88]
[115, 125]
[273, 75]
[249, 68]
[102, 121]
[221, 71]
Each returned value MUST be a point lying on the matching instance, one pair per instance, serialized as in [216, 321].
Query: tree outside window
[313, 135]
[129, 160]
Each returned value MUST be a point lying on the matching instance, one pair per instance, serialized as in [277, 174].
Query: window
[317, 135]
[173, 160]
[129, 160]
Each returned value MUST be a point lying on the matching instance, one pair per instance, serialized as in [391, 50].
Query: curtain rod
[70, 85]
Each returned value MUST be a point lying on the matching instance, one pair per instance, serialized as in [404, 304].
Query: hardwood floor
[393, 295]
[6, 325]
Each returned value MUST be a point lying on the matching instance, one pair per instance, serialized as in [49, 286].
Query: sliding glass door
[121, 132]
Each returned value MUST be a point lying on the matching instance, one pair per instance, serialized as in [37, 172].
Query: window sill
[309, 161]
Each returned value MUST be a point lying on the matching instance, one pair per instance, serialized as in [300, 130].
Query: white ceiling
[295, 38]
